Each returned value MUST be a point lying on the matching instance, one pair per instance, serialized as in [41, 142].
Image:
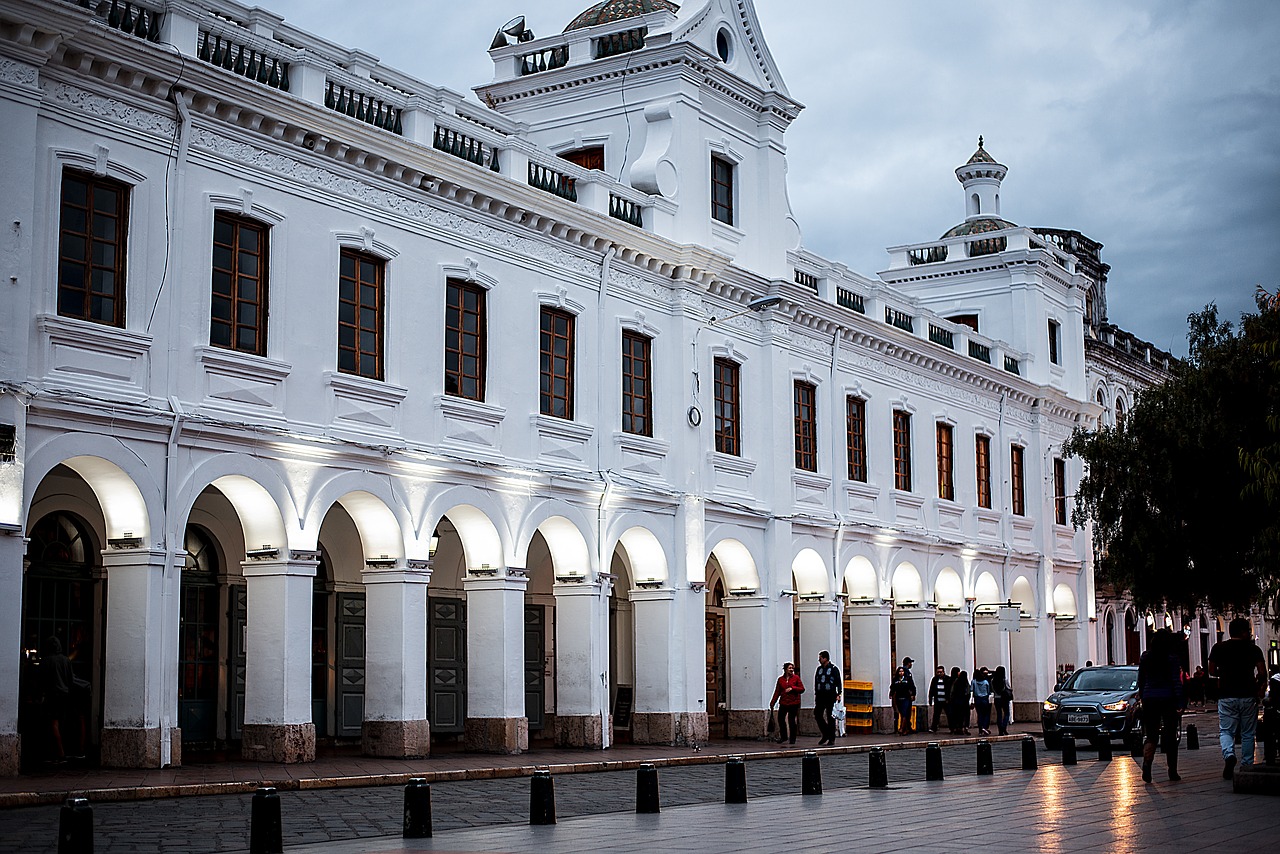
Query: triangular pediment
[702, 23]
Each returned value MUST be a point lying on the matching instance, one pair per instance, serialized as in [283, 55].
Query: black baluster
[153, 28]
[273, 79]
[328, 94]
[216, 56]
[399, 125]
[284, 77]
[240, 66]
[204, 47]
[113, 17]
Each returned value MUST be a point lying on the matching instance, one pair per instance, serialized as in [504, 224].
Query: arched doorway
[58, 602]
[717, 653]
[198, 640]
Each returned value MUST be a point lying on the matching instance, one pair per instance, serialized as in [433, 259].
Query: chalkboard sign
[622, 702]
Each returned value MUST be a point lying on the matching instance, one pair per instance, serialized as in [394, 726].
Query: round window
[724, 45]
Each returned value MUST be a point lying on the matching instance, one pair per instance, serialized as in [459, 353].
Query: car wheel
[1052, 741]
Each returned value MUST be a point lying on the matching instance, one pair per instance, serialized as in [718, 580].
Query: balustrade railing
[462, 146]
[544, 60]
[363, 107]
[987, 246]
[627, 211]
[1011, 365]
[809, 280]
[927, 255]
[135, 19]
[616, 43]
[549, 180]
[850, 300]
[981, 352]
[220, 50]
[900, 319]
[944, 337]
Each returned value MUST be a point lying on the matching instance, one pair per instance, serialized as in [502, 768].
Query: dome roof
[615, 10]
[978, 226]
[981, 156]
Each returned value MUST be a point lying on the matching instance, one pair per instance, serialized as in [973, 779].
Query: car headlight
[1050, 706]
[1116, 707]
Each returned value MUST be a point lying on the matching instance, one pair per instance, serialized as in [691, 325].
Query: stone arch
[986, 591]
[646, 560]
[1024, 595]
[562, 528]
[378, 510]
[736, 564]
[809, 573]
[1064, 601]
[906, 585]
[948, 589]
[860, 579]
[259, 496]
[478, 519]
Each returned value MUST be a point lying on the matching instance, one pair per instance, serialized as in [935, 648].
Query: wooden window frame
[723, 173]
[364, 362]
[805, 401]
[555, 325]
[1060, 490]
[458, 380]
[236, 300]
[637, 383]
[1055, 342]
[902, 450]
[588, 157]
[946, 461]
[728, 405]
[76, 286]
[855, 410]
[1017, 480]
[982, 465]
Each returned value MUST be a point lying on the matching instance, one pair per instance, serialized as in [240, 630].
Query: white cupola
[981, 177]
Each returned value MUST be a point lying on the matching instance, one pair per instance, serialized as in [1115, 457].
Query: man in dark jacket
[906, 665]
[1241, 671]
[826, 690]
[938, 696]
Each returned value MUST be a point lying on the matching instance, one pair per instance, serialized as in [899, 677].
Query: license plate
[1077, 719]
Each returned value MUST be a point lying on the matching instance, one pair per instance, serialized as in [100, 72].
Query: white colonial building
[334, 405]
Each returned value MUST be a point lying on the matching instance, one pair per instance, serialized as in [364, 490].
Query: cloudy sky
[1152, 127]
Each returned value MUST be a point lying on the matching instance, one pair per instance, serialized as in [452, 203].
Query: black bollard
[1028, 753]
[933, 761]
[1068, 750]
[985, 765]
[735, 781]
[417, 809]
[1104, 749]
[542, 798]
[810, 774]
[1193, 737]
[878, 774]
[647, 789]
[75, 827]
[266, 834]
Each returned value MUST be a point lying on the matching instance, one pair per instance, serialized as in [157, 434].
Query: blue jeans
[1237, 716]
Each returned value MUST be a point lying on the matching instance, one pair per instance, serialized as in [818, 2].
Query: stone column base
[747, 723]
[670, 728]
[1024, 712]
[131, 747]
[579, 731]
[10, 754]
[497, 735]
[175, 747]
[285, 743]
[396, 739]
[882, 719]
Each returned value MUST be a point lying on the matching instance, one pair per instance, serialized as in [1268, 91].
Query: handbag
[772, 725]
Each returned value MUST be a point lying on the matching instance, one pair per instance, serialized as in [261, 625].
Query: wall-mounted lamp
[812, 597]
[649, 584]
[433, 543]
[304, 554]
[570, 579]
[861, 600]
[418, 563]
[264, 553]
[128, 541]
[483, 569]
[10, 529]
[787, 593]
[744, 591]
[383, 562]
[698, 586]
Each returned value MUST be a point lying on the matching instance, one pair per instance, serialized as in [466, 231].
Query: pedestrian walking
[826, 690]
[900, 698]
[1160, 690]
[786, 695]
[958, 702]
[56, 680]
[1001, 699]
[911, 681]
[1241, 672]
[938, 696]
[981, 688]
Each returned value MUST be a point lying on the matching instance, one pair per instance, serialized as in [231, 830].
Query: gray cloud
[1150, 127]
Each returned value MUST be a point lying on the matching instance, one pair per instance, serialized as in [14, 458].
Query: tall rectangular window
[806, 417]
[360, 314]
[93, 226]
[637, 384]
[856, 438]
[721, 190]
[982, 460]
[1054, 342]
[1017, 481]
[1060, 490]
[727, 394]
[946, 463]
[556, 347]
[238, 304]
[464, 340]
[902, 450]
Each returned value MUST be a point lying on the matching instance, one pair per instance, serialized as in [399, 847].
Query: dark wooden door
[446, 665]
[350, 665]
[717, 692]
[535, 680]
[237, 616]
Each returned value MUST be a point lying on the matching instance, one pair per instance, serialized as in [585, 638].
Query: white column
[655, 719]
[1071, 640]
[870, 655]
[913, 631]
[819, 629]
[12, 549]
[956, 644]
[1033, 665]
[277, 694]
[395, 668]
[496, 721]
[990, 645]
[136, 658]
[582, 666]
[749, 673]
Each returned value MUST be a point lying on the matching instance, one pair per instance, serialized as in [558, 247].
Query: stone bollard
[75, 827]
[735, 781]
[1028, 753]
[417, 809]
[1193, 737]
[1104, 749]
[647, 789]
[542, 798]
[266, 833]
[1068, 750]
[986, 767]
[810, 774]
[878, 773]
[933, 761]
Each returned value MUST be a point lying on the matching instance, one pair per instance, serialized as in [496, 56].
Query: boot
[1173, 762]
[1148, 756]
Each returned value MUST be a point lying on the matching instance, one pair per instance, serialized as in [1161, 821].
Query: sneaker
[1229, 768]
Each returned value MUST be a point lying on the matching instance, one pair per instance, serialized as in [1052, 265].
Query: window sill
[565, 442]
[95, 358]
[243, 383]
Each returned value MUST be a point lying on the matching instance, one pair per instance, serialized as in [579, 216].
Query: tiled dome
[615, 10]
[977, 226]
[981, 156]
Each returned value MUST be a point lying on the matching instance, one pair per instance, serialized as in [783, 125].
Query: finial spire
[979, 140]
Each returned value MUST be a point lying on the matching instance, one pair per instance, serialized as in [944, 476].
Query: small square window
[722, 190]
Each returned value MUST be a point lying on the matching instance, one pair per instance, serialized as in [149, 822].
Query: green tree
[1184, 496]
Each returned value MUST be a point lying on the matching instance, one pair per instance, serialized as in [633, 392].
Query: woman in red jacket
[787, 697]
